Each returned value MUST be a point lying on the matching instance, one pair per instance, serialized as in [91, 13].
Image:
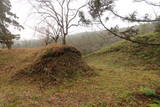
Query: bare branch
[147, 2]
[60, 12]
[126, 38]
[135, 19]
[76, 13]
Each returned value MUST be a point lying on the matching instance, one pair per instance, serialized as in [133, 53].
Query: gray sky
[23, 10]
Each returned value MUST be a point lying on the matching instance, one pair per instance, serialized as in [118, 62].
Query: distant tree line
[86, 42]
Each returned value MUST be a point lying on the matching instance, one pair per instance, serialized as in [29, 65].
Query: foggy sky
[24, 11]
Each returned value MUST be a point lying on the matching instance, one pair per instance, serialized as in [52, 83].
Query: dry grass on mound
[56, 63]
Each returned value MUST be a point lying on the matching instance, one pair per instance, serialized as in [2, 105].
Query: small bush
[148, 91]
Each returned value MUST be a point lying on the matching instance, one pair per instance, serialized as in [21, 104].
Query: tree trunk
[9, 46]
[64, 40]
[56, 40]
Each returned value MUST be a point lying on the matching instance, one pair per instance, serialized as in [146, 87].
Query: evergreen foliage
[7, 18]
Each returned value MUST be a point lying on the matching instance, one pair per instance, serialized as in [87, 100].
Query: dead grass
[55, 64]
[122, 79]
[117, 85]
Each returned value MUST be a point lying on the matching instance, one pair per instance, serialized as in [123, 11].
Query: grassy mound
[56, 63]
[135, 54]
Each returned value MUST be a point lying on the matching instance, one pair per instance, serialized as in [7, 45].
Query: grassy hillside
[126, 68]
[129, 54]
[89, 42]
[123, 69]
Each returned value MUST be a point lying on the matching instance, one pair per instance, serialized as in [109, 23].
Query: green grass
[120, 77]
[136, 54]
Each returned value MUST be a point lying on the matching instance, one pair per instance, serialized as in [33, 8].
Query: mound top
[58, 50]
[56, 63]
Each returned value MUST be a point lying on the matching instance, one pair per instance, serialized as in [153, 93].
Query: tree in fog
[98, 8]
[7, 18]
[62, 13]
[50, 33]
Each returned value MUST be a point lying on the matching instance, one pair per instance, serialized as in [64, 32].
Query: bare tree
[61, 12]
[49, 32]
